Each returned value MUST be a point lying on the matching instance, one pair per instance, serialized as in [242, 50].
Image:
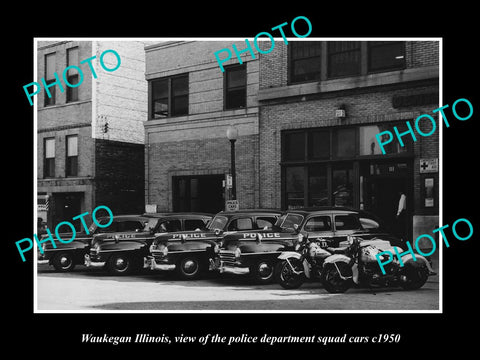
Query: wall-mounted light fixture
[340, 111]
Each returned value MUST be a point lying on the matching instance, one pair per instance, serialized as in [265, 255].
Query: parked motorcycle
[357, 264]
[295, 267]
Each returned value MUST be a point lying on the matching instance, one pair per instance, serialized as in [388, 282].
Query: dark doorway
[382, 184]
[201, 193]
[385, 198]
[67, 206]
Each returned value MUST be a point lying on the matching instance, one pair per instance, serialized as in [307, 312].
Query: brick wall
[206, 83]
[201, 157]
[196, 144]
[119, 176]
[121, 95]
[274, 65]
[422, 53]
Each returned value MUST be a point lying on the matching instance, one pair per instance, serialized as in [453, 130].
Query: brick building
[90, 148]
[307, 115]
[191, 105]
[321, 105]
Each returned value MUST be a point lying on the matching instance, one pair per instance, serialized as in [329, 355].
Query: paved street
[92, 289]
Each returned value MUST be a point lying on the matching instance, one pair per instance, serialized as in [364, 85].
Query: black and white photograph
[237, 182]
[241, 182]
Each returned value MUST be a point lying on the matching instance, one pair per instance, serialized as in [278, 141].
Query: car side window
[318, 223]
[346, 222]
[113, 227]
[170, 226]
[130, 225]
[241, 224]
[193, 224]
[265, 221]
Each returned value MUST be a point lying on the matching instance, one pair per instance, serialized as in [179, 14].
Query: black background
[427, 334]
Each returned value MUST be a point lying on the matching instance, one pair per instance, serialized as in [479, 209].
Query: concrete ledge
[387, 78]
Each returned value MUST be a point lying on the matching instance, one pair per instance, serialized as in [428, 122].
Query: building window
[342, 185]
[305, 61]
[344, 142]
[343, 58]
[386, 55]
[294, 146]
[72, 75]
[318, 185]
[71, 168]
[368, 143]
[49, 157]
[169, 97]
[295, 186]
[319, 144]
[235, 87]
[50, 78]
[319, 164]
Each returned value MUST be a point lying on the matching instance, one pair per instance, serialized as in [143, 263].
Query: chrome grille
[227, 257]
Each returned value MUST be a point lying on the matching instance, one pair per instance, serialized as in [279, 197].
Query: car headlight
[96, 247]
[238, 253]
[300, 237]
[216, 249]
[165, 251]
[153, 247]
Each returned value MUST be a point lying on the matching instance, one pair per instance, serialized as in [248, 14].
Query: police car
[190, 253]
[123, 252]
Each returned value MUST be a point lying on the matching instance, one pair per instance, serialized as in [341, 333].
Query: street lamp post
[232, 134]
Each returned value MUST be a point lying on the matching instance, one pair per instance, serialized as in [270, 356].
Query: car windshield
[288, 221]
[218, 222]
[150, 224]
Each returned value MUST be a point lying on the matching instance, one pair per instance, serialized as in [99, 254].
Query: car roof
[178, 214]
[250, 212]
[124, 217]
[323, 209]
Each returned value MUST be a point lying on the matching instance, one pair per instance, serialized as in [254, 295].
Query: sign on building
[429, 165]
[229, 181]
[232, 205]
[150, 208]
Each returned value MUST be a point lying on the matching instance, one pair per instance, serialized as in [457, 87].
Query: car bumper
[150, 262]
[231, 269]
[43, 262]
[89, 262]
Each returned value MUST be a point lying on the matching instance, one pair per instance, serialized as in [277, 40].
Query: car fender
[135, 248]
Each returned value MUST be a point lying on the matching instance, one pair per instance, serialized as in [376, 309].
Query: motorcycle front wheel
[287, 278]
[331, 280]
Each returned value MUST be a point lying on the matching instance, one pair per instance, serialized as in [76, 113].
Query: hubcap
[64, 261]
[264, 269]
[190, 266]
[120, 263]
